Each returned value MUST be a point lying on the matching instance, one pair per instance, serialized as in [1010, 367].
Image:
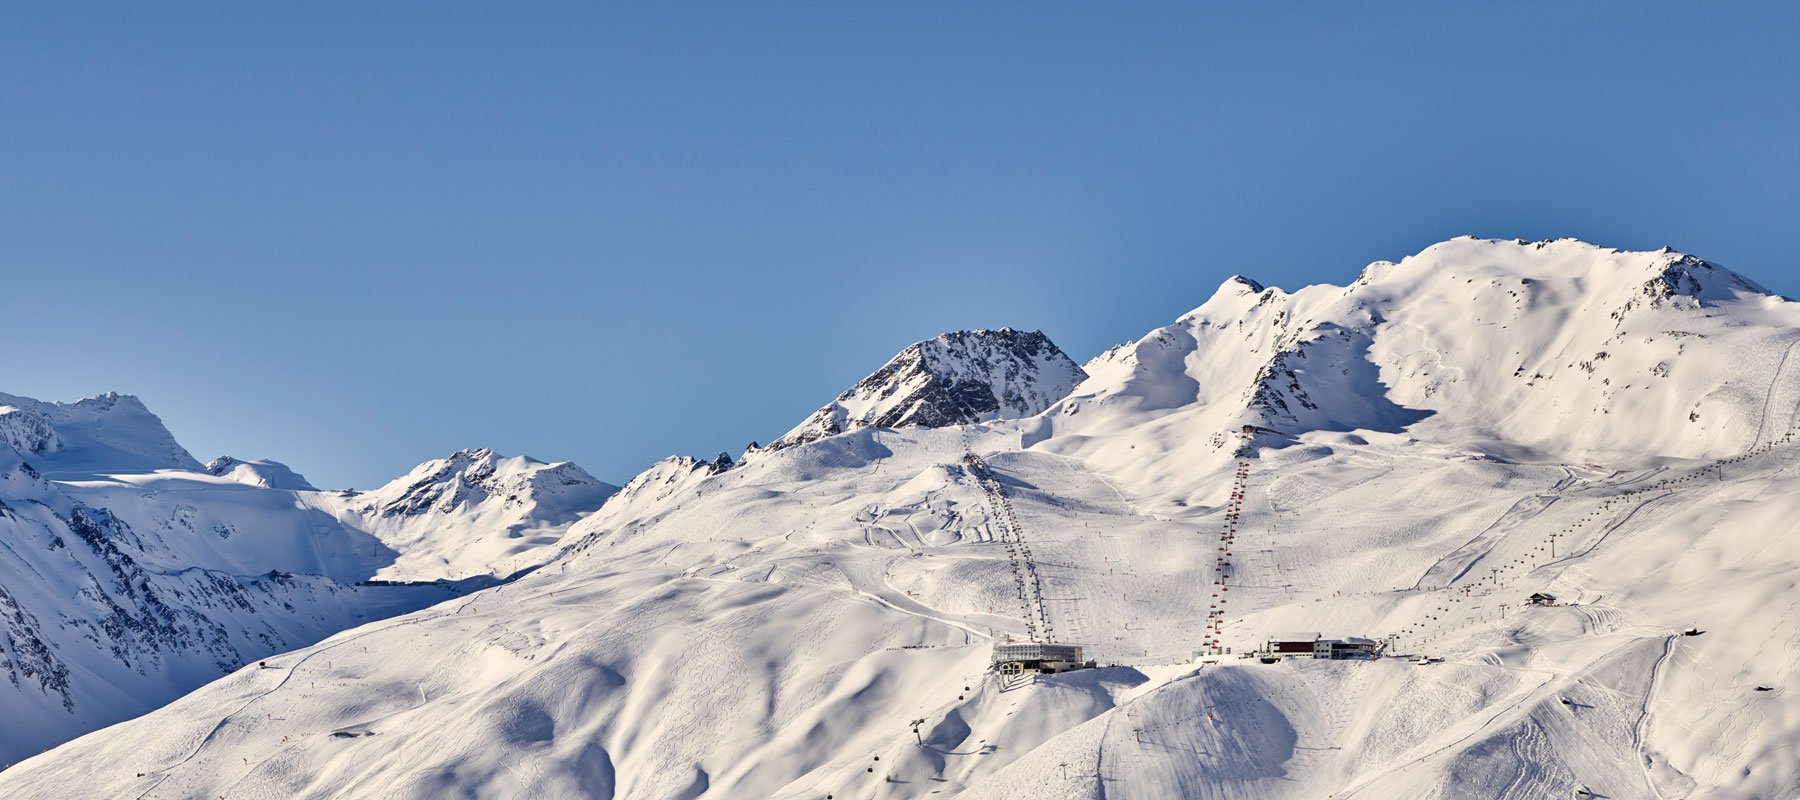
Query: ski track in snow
[1765, 433]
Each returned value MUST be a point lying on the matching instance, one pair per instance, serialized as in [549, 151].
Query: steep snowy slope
[102, 619]
[817, 621]
[27, 431]
[121, 589]
[953, 379]
[474, 513]
[1543, 350]
[105, 432]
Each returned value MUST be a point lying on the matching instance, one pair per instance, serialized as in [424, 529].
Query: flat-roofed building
[1347, 647]
[1312, 644]
[1018, 658]
[1298, 643]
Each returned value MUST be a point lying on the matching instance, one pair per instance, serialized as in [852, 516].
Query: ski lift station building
[1019, 658]
[1291, 644]
[1312, 644]
[1347, 647]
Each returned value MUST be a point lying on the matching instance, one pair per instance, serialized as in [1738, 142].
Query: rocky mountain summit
[952, 379]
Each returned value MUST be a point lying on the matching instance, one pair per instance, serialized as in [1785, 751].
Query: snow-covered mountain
[119, 594]
[129, 574]
[953, 379]
[259, 472]
[104, 432]
[474, 513]
[1532, 350]
[26, 431]
[1430, 445]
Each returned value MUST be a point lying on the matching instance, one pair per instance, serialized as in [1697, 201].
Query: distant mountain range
[130, 574]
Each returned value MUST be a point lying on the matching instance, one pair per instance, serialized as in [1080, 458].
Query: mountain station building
[1291, 644]
[1019, 658]
[1312, 644]
[1347, 647]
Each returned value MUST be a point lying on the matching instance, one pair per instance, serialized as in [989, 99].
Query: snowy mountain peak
[469, 478]
[260, 472]
[475, 512]
[1562, 348]
[106, 432]
[1466, 256]
[952, 379]
[1688, 276]
[670, 471]
[1238, 285]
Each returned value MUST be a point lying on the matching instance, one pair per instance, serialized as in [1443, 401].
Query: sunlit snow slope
[1432, 444]
[474, 513]
[129, 575]
[953, 379]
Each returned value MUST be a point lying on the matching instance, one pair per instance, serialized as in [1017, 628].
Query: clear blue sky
[354, 236]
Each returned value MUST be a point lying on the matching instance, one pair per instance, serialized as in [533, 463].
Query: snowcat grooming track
[1457, 607]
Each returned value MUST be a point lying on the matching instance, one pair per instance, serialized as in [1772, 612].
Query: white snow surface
[259, 472]
[118, 595]
[105, 432]
[129, 574]
[473, 513]
[1434, 443]
[951, 379]
[27, 431]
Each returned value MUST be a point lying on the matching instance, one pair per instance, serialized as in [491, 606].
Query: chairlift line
[1025, 573]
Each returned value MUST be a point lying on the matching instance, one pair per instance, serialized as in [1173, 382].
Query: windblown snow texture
[1430, 445]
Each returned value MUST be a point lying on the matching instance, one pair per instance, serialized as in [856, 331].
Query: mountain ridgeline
[130, 574]
[957, 378]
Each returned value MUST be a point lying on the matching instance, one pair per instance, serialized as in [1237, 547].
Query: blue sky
[354, 236]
